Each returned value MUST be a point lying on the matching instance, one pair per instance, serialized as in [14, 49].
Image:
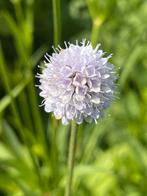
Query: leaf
[37, 55]
[12, 140]
[130, 63]
[4, 29]
[4, 152]
[15, 147]
[6, 101]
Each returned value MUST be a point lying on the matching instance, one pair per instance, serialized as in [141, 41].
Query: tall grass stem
[57, 39]
[71, 158]
[56, 21]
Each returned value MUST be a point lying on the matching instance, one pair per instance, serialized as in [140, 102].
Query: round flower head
[77, 83]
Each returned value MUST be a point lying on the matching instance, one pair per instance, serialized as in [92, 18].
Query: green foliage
[111, 157]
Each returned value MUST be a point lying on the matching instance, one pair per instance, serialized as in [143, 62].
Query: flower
[77, 83]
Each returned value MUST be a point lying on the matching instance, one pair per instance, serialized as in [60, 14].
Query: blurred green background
[111, 157]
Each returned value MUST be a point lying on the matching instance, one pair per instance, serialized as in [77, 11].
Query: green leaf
[130, 63]
[6, 101]
[12, 140]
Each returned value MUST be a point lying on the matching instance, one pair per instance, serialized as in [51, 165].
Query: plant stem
[57, 21]
[71, 158]
[97, 22]
[94, 35]
[57, 39]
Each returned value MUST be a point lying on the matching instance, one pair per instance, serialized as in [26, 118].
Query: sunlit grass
[112, 155]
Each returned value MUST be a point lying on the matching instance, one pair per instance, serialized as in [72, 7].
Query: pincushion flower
[77, 83]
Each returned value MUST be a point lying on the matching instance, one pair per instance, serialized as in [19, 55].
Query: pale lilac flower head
[77, 82]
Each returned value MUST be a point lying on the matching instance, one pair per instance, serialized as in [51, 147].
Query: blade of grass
[18, 11]
[9, 92]
[52, 130]
[131, 60]
[25, 111]
[16, 32]
[6, 101]
[23, 49]
[52, 124]
[17, 116]
[93, 139]
[57, 22]
[97, 20]
[37, 55]
[95, 31]
[36, 113]
[9, 177]
[12, 140]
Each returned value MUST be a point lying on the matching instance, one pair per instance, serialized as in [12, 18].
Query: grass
[111, 157]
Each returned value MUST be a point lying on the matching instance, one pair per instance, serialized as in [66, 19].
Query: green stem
[97, 22]
[71, 158]
[53, 150]
[25, 112]
[57, 39]
[94, 35]
[57, 22]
